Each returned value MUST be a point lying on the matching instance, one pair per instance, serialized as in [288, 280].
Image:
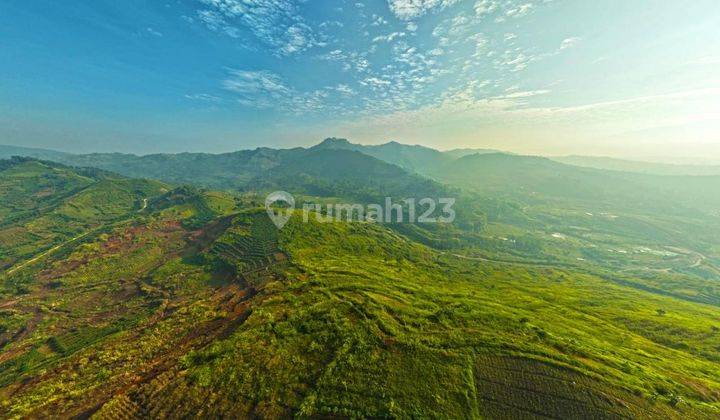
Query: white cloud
[569, 43]
[296, 38]
[216, 22]
[344, 90]
[456, 29]
[709, 59]
[350, 61]
[375, 82]
[255, 82]
[408, 76]
[153, 32]
[514, 61]
[389, 37]
[331, 23]
[485, 7]
[378, 21]
[276, 23]
[410, 9]
[523, 94]
[520, 10]
[203, 97]
[266, 90]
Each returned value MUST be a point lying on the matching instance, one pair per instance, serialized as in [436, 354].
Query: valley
[168, 301]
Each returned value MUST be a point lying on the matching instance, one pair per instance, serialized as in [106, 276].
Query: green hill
[536, 177]
[344, 319]
[7, 152]
[336, 161]
[414, 158]
[317, 171]
[43, 204]
[561, 214]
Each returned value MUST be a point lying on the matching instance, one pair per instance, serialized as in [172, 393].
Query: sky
[609, 77]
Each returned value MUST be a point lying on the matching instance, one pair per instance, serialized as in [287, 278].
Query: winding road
[56, 247]
[46, 253]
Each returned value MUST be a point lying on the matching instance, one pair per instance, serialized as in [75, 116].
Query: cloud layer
[406, 65]
[276, 23]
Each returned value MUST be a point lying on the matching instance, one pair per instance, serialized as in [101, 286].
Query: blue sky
[630, 78]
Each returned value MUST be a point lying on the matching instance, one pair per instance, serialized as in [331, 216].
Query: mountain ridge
[411, 157]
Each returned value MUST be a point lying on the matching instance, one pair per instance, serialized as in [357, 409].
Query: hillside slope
[195, 306]
[316, 171]
[7, 152]
[43, 204]
[414, 158]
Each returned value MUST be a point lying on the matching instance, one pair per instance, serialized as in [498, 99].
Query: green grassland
[45, 204]
[144, 300]
[350, 319]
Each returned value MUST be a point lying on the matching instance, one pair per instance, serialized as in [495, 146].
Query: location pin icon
[283, 215]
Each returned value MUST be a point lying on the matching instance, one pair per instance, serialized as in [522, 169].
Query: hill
[6, 152]
[531, 176]
[165, 316]
[509, 207]
[225, 171]
[44, 203]
[538, 210]
[177, 300]
[414, 158]
[322, 171]
[337, 161]
[458, 153]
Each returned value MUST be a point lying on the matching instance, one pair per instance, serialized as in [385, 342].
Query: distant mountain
[336, 167]
[323, 170]
[533, 178]
[415, 158]
[458, 153]
[343, 173]
[420, 159]
[43, 154]
[219, 171]
[653, 168]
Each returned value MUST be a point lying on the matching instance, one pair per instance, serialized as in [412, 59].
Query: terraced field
[170, 308]
[514, 387]
[250, 244]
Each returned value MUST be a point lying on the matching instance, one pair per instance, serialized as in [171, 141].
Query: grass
[361, 326]
[197, 305]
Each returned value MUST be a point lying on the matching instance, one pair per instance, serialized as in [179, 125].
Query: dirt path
[55, 248]
[48, 252]
[701, 259]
